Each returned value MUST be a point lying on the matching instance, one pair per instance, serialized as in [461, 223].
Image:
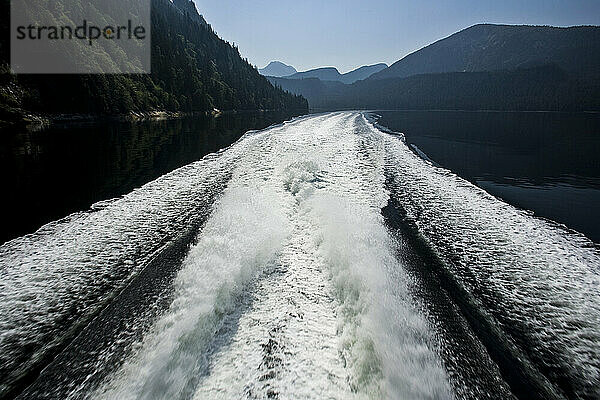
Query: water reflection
[50, 173]
[545, 162]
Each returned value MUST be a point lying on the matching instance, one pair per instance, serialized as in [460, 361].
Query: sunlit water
[303, 278]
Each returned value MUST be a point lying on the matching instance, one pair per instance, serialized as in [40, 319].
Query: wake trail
[293, 289]
[321, 258]
[529, 285]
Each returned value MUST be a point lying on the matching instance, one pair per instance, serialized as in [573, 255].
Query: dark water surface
[548, 163]
[50, 173]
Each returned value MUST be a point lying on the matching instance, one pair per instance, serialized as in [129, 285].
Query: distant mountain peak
[277, 69]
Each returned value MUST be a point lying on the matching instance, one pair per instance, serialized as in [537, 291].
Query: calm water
[548, 163]
[51, 173]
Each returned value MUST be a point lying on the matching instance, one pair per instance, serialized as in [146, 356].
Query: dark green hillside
[546, 88]
[192, 70]
[500, 47]
[318, 92]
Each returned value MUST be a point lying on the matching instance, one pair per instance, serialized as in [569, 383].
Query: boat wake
[317, 259]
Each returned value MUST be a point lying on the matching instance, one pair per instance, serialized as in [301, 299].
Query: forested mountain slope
[485, 67]
[546, 88]
[192, 70]
[499, 47]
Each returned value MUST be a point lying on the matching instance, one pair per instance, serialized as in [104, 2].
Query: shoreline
[34, 121]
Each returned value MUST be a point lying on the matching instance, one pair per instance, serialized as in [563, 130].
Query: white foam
[530, 274]
[293, 288]
[64, 272]
[243, 236]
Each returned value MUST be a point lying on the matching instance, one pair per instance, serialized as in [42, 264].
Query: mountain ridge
[188, 7]
[557, 69]
[489, 47]
[333, 74]
[544, 88]
[277, 69]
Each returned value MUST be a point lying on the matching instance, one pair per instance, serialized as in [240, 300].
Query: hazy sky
[351, 33]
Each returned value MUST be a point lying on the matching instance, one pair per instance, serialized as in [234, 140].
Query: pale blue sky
[351, 33]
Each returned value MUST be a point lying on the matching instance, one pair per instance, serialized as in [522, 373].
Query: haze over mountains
[332, 74]
[494, 67]
[325, 74]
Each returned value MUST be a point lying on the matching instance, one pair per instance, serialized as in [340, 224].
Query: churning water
[318, 259]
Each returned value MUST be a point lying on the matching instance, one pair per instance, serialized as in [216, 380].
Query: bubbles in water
[292, 289]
